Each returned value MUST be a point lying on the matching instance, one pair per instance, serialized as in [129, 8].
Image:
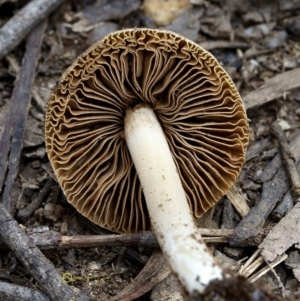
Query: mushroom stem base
[170, 214]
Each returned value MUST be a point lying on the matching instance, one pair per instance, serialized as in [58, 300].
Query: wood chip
[285, 234]
[238, 200]
[274, 88]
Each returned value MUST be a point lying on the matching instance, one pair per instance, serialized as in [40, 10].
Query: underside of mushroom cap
[196, 102]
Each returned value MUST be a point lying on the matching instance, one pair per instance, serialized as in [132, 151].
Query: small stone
[94, 266]
[284, 124]
[276, 40]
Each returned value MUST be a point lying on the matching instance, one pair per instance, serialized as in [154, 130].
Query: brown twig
[287, 157]
[34, 260]
[12, 292]
[14, 31]
[14, 129]
[53, 240]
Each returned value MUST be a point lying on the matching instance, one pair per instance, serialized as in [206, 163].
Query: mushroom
[146, 129]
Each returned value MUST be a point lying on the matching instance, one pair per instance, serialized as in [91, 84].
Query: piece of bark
[248, 237]
[257, 148]
[228, 222]
[283, 207]
[26, 212]
[272, 193]
[238, 200]
[288, 158]
[227, 215]
[14, 31]
[274, 88]
[34, 260]
[270, 170]
[12, 292]
[293, 262]
[12, 138]
[276, 163]
[155, 271]
[285, 234]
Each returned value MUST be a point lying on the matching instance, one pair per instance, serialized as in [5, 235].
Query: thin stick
[254, 266]
[14, 129]
[12, 292]
[249, 261]
[34, 260]
[287, 158]
[14, 31]
[283, 290]
[266, 269]
[53, 240]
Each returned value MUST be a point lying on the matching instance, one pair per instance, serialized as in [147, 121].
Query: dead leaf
[154, 271]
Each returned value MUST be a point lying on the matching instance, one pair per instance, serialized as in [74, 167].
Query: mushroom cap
[196, 102]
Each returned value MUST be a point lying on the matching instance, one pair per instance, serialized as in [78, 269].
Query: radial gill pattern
[195, 101]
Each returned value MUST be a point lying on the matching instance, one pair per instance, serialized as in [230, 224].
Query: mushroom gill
[195, 101]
